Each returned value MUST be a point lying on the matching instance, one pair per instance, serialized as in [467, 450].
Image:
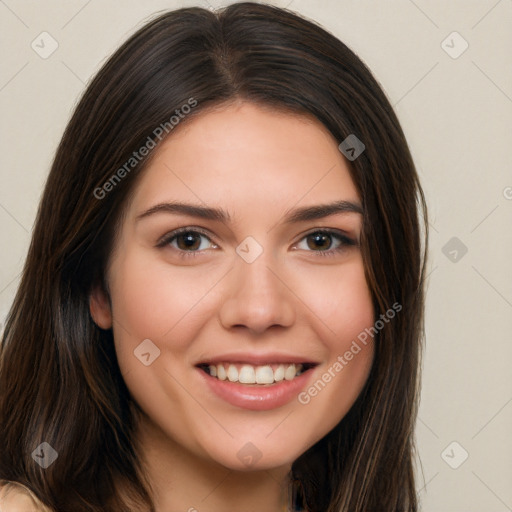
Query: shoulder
[15, 497]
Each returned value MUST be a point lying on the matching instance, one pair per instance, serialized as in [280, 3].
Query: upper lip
[257, 359]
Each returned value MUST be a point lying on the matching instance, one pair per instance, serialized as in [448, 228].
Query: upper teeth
[249, 374]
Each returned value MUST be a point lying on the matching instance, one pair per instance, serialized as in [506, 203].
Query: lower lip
[257, 397]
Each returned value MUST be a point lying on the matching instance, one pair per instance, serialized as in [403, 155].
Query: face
[231, 268]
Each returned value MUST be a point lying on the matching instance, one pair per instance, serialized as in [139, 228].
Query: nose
[257, 297]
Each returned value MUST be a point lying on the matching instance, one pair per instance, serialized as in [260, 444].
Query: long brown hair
[60, 382]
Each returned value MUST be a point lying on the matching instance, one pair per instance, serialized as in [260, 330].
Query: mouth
[268, 374]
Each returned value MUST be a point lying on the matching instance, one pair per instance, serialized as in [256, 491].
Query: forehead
[243, 157]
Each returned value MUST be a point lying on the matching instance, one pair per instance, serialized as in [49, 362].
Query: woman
[222, 304]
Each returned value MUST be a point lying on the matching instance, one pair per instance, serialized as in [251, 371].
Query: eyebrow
[302, 214]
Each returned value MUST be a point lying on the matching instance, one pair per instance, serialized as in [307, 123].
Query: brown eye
[188, 240]
[326, 242]
[320, 241]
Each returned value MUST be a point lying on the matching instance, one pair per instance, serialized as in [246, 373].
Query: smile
[244, 373]
[258, 385]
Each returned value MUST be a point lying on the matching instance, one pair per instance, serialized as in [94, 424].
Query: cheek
[341, 301]
[350, 315]
[344, 307]
[153, 299]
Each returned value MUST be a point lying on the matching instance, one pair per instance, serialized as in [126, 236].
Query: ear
[99, 306]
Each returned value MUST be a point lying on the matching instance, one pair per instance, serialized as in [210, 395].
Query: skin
[17, 498]
[256, 164]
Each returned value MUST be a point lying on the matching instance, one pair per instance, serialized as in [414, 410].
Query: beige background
[457, 115]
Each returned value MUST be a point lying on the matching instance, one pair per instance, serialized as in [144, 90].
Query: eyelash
[345, 241]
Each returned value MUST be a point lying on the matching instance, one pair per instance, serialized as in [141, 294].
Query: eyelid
[346, 241]
[331, 231]
[165, 239]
